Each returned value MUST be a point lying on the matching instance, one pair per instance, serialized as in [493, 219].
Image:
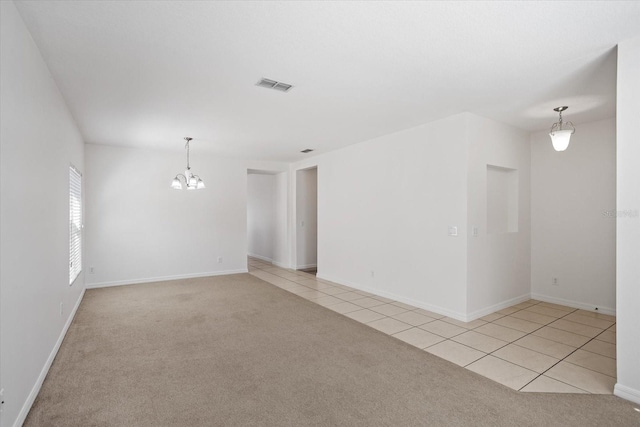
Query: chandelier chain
[188, 139]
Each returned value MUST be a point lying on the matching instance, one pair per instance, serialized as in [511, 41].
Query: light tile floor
[533, 346]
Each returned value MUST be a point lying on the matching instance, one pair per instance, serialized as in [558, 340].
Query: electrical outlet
[554, 281]
[219, 260]
[61, 308]
[372, 273]
[453, 231]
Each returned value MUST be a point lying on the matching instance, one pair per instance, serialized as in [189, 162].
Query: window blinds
[75, 224]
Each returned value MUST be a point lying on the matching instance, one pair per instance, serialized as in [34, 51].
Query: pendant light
[561, 131]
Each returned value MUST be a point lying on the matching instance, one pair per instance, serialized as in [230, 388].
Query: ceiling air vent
[272, 84]
[307, 150]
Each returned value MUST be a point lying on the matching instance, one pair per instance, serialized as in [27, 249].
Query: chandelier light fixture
[192, 182]
[561, 132]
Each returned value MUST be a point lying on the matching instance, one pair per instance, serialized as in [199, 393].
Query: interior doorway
[267, 216]
[307, 220]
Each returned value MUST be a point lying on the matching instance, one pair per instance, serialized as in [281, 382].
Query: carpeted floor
[237, 351]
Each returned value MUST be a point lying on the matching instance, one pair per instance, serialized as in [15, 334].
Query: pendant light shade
[561, 132]
[175, 184]
[560, 139]
[191, 185]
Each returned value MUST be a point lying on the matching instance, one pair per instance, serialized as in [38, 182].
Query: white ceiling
[146, 74]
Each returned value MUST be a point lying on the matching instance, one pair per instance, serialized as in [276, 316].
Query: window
[75, 224]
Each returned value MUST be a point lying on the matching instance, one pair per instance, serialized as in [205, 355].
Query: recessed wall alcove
[502, 200]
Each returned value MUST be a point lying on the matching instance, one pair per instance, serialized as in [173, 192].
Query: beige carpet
[237, 351]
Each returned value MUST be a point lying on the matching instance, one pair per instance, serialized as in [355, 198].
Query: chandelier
[193, 182]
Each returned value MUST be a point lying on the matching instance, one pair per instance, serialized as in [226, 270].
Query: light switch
[453, 231]
[475, 231]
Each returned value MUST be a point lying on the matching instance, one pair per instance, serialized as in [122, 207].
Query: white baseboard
[302, 267]
[419, 304]
[272, 261]
[627, 393]
[468, 317]
[260, 257]
[492, 309]
[575, 304]
[22, 415]
[163, 278]
[280, 264]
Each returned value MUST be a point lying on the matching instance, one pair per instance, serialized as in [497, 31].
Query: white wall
[307, 218]
[498, 264]
[138, 229]
[573, 238]
[384, 206]
[628, 226]
[39, 140]
[261, 215]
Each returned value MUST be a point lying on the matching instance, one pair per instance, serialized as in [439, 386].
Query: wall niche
[502, 200]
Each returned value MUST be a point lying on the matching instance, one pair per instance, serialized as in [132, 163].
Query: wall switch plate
[475, 231]
[219, 260]
[91, 270]
[453, 231]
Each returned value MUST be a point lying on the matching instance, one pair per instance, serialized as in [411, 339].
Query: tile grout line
[526, 334]
[507, 343]
[563, 359]
[579, 348]
[531, 333]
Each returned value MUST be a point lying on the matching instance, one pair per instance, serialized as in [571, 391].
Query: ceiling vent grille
[272, 84]
[307, 150]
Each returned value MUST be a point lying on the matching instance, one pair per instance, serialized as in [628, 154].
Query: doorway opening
[267, 216]
[307, 220]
